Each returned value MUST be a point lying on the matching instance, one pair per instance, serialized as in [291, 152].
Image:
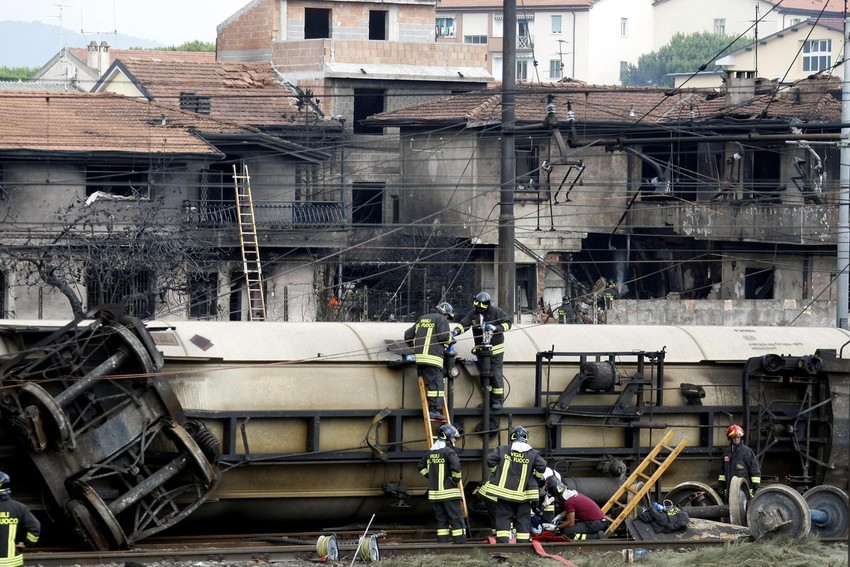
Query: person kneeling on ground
[581, 519]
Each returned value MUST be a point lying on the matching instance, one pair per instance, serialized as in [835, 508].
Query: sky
[170, 22]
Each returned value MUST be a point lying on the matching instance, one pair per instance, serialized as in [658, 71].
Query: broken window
[317, 23]
[764, 182]
[758, 283]
[527, 151]
[378, 24]
[130, 288]
[203, 295]
[367, 203]
[216, 204]
[366, 103]
[117, 180]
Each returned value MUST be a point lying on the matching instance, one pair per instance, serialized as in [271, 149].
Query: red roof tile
[83, 122]
[616, 104]
[245, 93]
[82, 53]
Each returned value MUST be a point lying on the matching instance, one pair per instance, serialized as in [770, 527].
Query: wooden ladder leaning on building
[430, 437]
[250, 245]
[639, 475]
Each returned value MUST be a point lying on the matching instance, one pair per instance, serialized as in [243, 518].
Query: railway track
[261, 549]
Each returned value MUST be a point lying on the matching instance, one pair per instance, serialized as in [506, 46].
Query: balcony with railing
[275, 220]
[524, 42]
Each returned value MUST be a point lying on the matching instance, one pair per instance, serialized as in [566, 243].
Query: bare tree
[131, 251]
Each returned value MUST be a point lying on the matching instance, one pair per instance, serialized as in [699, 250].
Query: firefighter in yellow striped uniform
[488, 324]
[441, 466]
[516, 475]
[429, 338]
[18, 526]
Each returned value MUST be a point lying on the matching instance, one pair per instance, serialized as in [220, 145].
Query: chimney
[93, 55]
[104, 58]
[740, 86]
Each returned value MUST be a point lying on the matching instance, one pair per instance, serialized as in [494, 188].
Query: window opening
[317, 23]
[366, 103]
[203, 295]
[758, 283]
[132, 289]
[817, 55]
[367, 200]
[378, 24]
[117, 180]
[445, 27]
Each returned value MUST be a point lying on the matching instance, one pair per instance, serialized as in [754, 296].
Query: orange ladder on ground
[638, 491]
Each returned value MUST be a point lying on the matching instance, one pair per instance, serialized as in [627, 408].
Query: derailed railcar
[92, 436]
[192, 425]
[322, 422]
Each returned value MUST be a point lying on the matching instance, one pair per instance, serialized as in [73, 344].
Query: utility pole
[505, 252]
[843, 241]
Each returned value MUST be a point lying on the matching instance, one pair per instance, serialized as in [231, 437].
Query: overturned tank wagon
[322, 422]
[280, 426]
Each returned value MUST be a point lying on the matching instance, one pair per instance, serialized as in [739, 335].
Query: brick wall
[251, 30]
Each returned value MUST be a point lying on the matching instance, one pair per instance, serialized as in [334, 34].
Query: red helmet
[734, 430]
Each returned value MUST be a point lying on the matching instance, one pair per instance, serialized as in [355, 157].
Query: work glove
[456, 331]
[489, 328]
[550, 527]
[721, 490]
[753, 488]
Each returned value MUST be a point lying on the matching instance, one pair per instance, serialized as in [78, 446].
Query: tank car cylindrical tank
[322, 421]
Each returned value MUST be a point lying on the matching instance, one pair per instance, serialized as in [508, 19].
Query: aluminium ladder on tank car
[638, 491]
[250, 245]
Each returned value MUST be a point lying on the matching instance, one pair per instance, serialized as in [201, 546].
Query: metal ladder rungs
[250, 246]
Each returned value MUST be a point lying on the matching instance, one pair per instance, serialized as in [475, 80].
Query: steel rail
[240, 550]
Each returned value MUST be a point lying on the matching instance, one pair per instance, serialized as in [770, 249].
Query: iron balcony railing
[267, 214]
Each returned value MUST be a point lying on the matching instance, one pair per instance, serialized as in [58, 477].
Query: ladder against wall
[641, 480]
[250, 245]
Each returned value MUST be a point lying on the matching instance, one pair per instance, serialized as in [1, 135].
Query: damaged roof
[246, 93]
[616, 105]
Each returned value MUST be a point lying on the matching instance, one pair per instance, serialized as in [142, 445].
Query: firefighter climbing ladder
[430, 438]
[639, 475]
[250, 245]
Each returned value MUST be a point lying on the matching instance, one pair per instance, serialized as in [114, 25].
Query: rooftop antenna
[61, 39]
[114, 30]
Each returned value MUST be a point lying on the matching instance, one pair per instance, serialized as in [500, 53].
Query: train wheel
[693, 494]
[739, 498]
[187, 446]
[778, 510]
[52, 416]
[86, 525]
[114, 533]
[831, 502]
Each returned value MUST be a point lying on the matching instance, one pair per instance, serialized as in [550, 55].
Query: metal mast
[843, 252]
[505, 253]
